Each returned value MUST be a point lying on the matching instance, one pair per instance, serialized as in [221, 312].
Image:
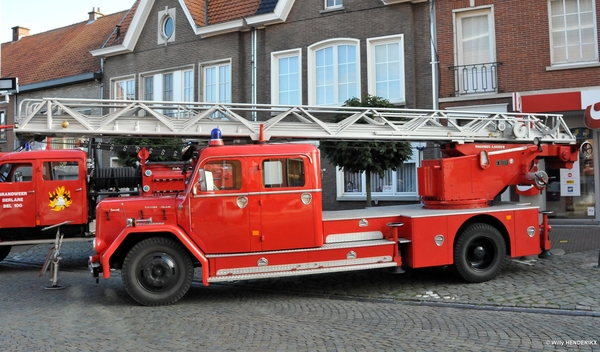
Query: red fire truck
[253, 210]
[42, 188]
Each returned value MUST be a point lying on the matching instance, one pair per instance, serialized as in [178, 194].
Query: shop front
[571, 194]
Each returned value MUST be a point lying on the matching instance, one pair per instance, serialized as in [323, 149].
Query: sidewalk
[571, 238]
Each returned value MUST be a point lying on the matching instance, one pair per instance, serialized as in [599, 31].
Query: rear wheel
[479, 253]
[157, 271]
[4, 250]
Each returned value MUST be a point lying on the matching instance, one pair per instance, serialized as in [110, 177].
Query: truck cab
[269, 194]
[42, 188]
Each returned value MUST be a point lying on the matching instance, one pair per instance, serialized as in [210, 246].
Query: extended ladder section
[87, 117]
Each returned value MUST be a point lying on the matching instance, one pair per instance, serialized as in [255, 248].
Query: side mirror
[205, 182]
[200, 186]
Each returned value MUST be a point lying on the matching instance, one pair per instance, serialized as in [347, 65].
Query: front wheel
[479, 253]
[157, 271]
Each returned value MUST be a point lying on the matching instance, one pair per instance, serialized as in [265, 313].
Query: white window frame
[219, 64]
[552, 32]
[187, 90]
[178, 82]
[372, 44]
[168, 92]
[312, 69]
[129, 90]
[275, 74]
[178, 88]
[458, 15]
[162, 17]
[343, 194]
[144, 92]
[336, 4]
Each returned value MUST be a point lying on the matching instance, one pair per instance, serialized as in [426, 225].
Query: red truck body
[254, 211]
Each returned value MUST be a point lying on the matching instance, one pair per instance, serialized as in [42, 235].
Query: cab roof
[257, 150]
[44, 154]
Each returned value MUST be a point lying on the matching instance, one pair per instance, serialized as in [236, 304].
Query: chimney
[19, 32]
[94, 14]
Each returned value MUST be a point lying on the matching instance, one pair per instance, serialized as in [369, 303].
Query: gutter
[86, 77]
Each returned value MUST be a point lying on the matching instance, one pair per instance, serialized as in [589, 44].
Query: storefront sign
[591, 118]
[570, 181]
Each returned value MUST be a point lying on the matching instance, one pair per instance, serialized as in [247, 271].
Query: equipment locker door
[17, 195]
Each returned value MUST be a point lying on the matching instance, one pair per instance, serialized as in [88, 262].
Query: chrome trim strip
[354, 236]
[417, 211]
[216, 195]
[300, 273]
[303, 266]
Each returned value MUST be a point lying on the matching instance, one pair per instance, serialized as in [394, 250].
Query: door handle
[31, 192]
[78, 189]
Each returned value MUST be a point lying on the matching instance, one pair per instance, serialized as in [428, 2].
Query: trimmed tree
[371, 157]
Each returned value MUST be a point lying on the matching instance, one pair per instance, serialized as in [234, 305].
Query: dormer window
[166, 26]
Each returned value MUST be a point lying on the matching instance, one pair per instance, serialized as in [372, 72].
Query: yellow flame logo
[60, 199]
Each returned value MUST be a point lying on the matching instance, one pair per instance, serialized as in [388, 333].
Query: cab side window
[60, 170]
[15, 172]
[283, 172]
[223, 175]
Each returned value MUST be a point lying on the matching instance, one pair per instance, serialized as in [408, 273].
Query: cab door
[17, 195]
[61, 192]
[287, 210]
[220, 220]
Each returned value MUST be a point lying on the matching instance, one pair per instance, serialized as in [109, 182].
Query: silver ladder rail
[54, 117]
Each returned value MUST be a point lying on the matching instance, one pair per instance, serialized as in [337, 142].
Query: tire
[4, 250]
[479, 253]
[157, 271]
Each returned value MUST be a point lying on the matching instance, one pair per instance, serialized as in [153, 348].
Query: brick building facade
[527, 56]
[277, 52]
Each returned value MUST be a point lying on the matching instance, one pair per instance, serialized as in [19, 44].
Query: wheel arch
[486, 219]
[133, 238]
[114, 256]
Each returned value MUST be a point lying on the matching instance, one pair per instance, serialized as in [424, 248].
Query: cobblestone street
[548, 305]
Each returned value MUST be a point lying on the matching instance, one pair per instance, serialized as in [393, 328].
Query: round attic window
[168, 28]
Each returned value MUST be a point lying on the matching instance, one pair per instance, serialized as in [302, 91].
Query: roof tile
[59, 53]
[226, 10]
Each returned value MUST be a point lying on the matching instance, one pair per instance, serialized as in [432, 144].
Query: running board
[301, 269]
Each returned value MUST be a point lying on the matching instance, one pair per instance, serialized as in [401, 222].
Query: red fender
[191, 246]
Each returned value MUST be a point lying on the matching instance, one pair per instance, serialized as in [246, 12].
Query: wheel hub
[479, 253]
[157, 272]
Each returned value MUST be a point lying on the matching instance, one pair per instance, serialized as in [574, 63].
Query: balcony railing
[476, 78]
